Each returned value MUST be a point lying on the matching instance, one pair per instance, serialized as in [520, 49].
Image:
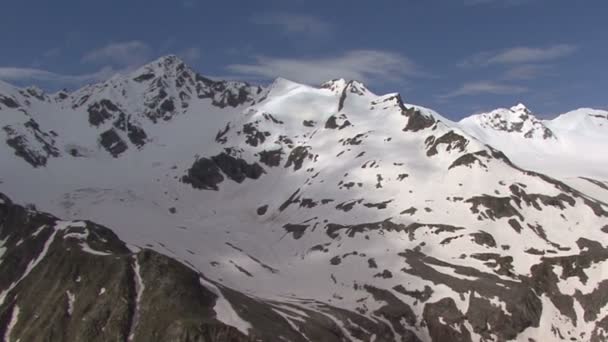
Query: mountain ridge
[341, 214]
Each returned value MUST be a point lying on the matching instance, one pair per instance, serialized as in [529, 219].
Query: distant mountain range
[163, 205]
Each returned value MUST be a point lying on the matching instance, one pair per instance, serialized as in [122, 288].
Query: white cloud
[518, 55]
[30, 74]
[293, 23]
[363, 65]
[129, 53]
[484, 87]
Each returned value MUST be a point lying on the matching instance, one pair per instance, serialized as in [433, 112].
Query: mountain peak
[517, 119]
[168, 60]
[338, 85]
[520, 107]
[169, 65]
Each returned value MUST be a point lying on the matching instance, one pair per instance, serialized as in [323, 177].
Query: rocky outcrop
[76, 281]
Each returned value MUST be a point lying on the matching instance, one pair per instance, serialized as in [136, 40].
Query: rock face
[290, 213]
[30, 143]
[76, 281]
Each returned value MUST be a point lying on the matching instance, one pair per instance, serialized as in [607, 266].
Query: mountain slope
[351, 216]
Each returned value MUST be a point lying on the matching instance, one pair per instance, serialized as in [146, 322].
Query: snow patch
[71, 300]
[139, 289]
[11, 324]
[86, 248]
[224, 311]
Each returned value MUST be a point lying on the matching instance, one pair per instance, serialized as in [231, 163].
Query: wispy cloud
[526, 72]
[129, 53]
[519, 55]
[484, 87]
[15, 74]
[293, 23]
[363, 65]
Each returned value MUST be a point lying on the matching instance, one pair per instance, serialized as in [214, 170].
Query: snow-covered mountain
[297, 213]
[570, 146]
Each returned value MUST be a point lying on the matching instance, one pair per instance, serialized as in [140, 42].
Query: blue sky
[455, 56]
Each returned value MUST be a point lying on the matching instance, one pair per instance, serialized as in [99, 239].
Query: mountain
[291, 212]
[569, 146]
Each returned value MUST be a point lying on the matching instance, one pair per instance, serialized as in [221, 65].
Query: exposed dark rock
[271, 118]
[445, 322]
[469, 160]
[356, 140]
[515, 225]
[112, 142]
[416, 120]
[343, 96]
[338, 122]
[395, 311]
[221, 135]
[101, 111]
[296, 229]
[294, 198]
[559, 201]
[410, 211]
[254, 136]
[402, 176]
[496, 207]
[332, 229]
[337, 260]
[534, 251]
[34, 146]
[297, 157]
[271, 158]
[204, 174]
[308, 123]
[497, 263]
[386, 274]
[379, 180]
[237, 169]
[241, 269]
[421, 296]
[484, 239]
[307, 203]
[136, 134]
[144, 77]
[9, 102]
[262, 210]
[454, 141]
[380, 205]
[347, 206]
